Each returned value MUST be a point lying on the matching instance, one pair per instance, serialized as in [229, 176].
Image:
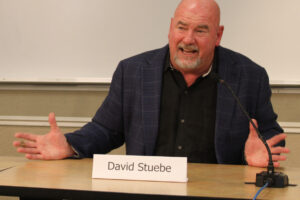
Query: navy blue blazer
[130, 112]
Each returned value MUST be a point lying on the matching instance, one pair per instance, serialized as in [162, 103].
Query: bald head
[208, 8]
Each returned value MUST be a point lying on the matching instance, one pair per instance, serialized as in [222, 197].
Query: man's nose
[189, 38]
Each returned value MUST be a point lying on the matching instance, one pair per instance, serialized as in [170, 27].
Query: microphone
[275, 179]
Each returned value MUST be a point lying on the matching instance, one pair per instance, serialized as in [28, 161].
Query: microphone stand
[275, 179]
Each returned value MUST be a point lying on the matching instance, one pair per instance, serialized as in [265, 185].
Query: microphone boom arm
[274, 179]
[270, 168]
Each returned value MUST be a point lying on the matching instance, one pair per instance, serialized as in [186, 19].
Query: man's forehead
[192, 20]
[198, 25]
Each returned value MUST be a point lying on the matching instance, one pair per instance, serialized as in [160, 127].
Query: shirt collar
[204, 75]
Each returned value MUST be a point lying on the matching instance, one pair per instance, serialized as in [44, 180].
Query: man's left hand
[256, 153]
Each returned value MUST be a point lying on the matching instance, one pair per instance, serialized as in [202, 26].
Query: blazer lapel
[226, 104]
[151, 94]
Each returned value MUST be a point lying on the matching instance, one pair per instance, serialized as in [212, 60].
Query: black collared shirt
[187, 117]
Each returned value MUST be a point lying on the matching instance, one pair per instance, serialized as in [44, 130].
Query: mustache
[189, 47]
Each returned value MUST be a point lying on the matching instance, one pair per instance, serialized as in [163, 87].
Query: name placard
[150, 168]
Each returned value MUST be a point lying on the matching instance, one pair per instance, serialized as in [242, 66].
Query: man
[166, 102]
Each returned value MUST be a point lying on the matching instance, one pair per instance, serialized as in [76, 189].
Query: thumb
[52, 122]
[252, 132]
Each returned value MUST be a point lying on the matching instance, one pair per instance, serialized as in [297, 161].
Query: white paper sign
[150, 168]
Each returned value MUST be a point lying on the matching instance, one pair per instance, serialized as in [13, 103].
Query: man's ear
[170, 28]
[219, 35]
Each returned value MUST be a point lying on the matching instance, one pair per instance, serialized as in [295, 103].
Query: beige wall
[40, 103]
[79, 103]
[287, 106]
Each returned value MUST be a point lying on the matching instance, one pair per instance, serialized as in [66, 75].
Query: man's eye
[202, 30]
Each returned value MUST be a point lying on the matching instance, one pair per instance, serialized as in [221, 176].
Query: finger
[252, 129]
[278, 158]
[24, 144]
[276, 139]
[52, 121]
[276, 164]
[34, 156]
[26, 136]
[279, 150]
[28, 150]
[15, 143]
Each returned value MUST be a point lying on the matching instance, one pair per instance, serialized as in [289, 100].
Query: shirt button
[179, 147]
[182, 121]
[186, 92]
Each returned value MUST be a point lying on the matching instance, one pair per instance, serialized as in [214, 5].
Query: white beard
[187, 64]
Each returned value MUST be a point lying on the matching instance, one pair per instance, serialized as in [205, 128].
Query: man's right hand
[51, 146]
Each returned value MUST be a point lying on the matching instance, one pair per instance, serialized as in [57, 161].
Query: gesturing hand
[256, 153]
[51, 146]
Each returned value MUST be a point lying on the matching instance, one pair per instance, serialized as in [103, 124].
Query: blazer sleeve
[265, 115]
[105, 131]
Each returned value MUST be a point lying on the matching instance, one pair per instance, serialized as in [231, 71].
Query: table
[71, 179]
[7, 162]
